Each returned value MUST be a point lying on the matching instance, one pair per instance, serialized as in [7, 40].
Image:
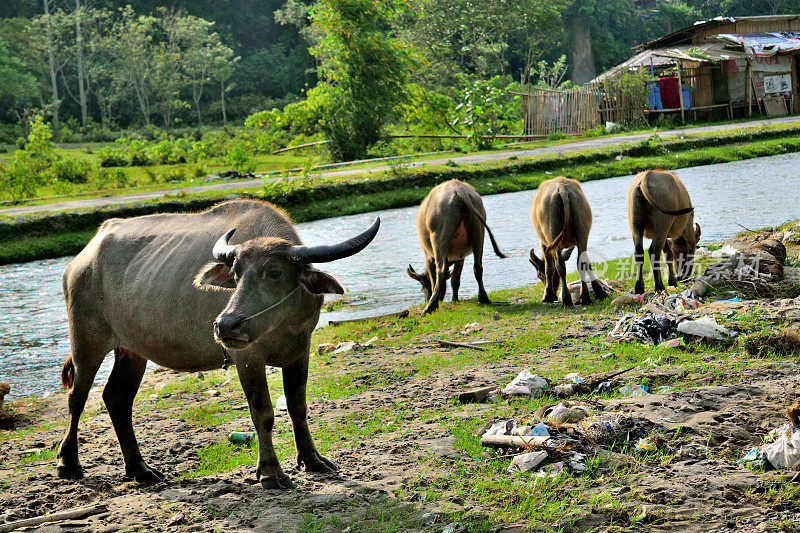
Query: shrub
[239, 157]
[110, 178]
[112, 156]
[71, 170]
[31, 166]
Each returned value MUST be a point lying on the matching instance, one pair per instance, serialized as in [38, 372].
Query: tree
[363, 71]
[205, 54]
[130, 44]
[18, 86]
[222, 70]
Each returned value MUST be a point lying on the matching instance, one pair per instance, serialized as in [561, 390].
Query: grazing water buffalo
[660, 209]
[450, 224]
[144, 288]
[562, 218]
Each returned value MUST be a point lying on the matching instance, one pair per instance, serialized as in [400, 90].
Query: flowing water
[756, 193]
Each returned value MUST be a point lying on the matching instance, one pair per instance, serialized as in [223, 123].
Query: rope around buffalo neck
[273, 306]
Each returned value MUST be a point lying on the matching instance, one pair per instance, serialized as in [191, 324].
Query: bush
[71, 170]
[239, 157]
[31, 166]
[110, 178]
[111, 156]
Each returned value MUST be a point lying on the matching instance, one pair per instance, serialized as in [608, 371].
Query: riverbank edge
[27, 238]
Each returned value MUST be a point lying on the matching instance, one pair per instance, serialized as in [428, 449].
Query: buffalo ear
[567, 253]
[215, 276]
[697, 232]
[535, 261]
[318, 282]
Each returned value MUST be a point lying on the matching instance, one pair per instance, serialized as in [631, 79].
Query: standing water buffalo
[562, 218]
[450, 224]
[143, 288]
[659, 208]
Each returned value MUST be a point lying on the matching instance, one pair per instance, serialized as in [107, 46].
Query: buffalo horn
[223, 252]
[326, 253]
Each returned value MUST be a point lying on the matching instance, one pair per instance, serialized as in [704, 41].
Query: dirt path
[564, 148]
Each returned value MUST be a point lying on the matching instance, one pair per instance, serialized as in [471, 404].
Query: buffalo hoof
[317, 463]
[586, 301]
[69, 472]
[639, 288]
[277, 483]
[148, 475]
[483, 299]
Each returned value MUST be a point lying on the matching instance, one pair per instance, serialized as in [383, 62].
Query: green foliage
[71, 170]
[31, 166]
[363, 70]
[483, 111]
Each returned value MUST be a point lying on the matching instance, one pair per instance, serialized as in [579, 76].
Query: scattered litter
[472, 327]
[539, 430]
[574, 377]
[607, 355]
[649, 327]
[160, 386]
[479, 395]
[344, 347]
[634, 390]
[645, 445]
[526, 384]
[673, 343]
[280, 403]
[564, 414]
[177, 518]
[753, 268]
[212, 393]
[527, 461]
[325, 347]
[725, 251]
[706, 327]
[663, 388]
[240, 437]
[610, 286]
[734, 299]
[784, 452]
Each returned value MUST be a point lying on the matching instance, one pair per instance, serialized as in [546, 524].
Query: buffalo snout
[228, 328]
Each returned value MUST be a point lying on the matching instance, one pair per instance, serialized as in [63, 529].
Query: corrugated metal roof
[678, 36]
[765, 44]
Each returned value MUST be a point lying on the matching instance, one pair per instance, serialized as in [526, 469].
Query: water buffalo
[562, 218]
[144, 288]
[660, 209]
[450, 224]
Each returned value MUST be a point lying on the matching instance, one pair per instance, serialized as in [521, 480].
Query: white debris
[526, 384]
[706, 327]
[280, 403]
[725, 251]
[527, 461]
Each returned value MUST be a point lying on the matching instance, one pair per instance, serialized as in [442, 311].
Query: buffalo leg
[118, 395]
[550, 278]
[455, 278]
[254, 383]
[585, 265]
[295, 378]
[561, 265]
[476, 234]
[659, 241]
[439, 288]
[670, 258]
[86, 362]
[638, 246]
[584, 271]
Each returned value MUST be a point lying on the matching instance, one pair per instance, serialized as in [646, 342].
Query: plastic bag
[527, 461]
[784, 452]
[706, 327]
[526, 384]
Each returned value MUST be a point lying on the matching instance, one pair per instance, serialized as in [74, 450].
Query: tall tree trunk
[583, 68]
[222, 95]
[52, 64]
[81, 73]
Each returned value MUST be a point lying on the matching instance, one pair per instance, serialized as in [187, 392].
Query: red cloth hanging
[670, 94]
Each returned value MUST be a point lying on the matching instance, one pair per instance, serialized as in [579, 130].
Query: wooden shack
[724, 66]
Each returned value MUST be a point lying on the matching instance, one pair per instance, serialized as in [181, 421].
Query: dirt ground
[398, 443]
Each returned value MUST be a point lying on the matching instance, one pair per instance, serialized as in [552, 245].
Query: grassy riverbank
[26, 238]
[409, 454]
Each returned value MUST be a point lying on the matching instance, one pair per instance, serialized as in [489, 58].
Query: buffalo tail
[557, 244]
[67, 373]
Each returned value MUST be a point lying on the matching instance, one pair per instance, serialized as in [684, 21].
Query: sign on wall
[778, 84]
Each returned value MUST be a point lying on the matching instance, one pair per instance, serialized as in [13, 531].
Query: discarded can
[240, 437]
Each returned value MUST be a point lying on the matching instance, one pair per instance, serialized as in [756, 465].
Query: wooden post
[680, 90]
[748, 80]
